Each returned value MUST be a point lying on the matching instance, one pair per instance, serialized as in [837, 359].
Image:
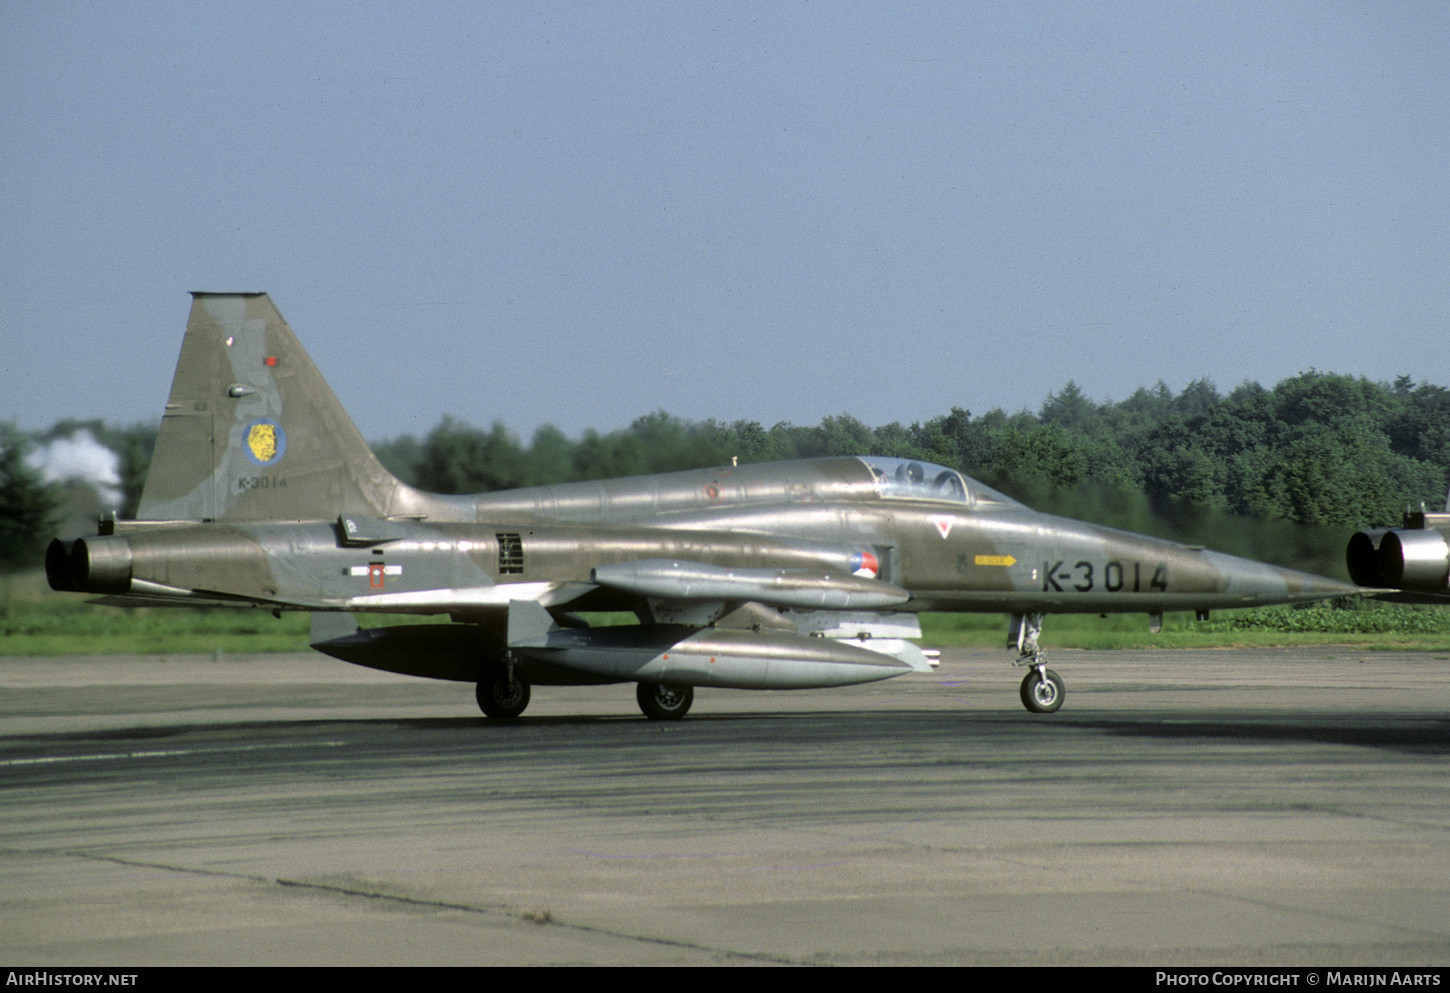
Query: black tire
[664, 703]
[501, 698]
[1043, 695]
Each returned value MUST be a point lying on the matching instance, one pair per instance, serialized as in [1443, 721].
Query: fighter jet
[785, 575]
[1412, 559]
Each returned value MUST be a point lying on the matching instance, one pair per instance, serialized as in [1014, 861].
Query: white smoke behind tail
[80, 458]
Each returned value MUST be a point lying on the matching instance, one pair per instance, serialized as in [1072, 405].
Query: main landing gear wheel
[664, 703]
[1042, 691]
[503, 695]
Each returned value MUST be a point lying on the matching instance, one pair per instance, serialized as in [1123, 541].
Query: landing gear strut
[501, 693]
[664, 703]
[1042, 689]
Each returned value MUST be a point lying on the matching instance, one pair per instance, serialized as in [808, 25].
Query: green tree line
[1282, 474]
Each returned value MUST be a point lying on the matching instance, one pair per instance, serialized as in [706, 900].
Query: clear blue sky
[579, 213]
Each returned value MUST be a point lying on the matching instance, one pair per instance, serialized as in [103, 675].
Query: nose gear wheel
[1043, 691]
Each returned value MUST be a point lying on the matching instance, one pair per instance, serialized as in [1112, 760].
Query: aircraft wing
[129, 600]
[809, 589]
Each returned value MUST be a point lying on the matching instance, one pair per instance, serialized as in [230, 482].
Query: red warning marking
[375, 575]
[270, 360]
[712, 491]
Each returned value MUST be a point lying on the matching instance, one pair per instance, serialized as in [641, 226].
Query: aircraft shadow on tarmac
[1417, 732]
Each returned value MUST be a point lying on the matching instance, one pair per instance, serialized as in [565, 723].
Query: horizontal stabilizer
[132, 601]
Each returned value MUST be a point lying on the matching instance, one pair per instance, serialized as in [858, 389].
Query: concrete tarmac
[1286, 807]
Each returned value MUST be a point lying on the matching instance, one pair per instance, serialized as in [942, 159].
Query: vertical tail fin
[252, 431]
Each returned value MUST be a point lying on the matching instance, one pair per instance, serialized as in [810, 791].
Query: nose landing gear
[1042, 689]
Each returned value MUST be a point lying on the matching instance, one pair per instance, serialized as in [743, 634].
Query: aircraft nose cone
[1312, 587]
[1257, 583]
[1333, 586]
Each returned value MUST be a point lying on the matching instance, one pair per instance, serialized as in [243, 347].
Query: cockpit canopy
[913, 479]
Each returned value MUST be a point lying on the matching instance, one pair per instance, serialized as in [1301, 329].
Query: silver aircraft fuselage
[770, 575]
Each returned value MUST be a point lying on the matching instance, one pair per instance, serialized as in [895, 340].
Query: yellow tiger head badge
[262, 440]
